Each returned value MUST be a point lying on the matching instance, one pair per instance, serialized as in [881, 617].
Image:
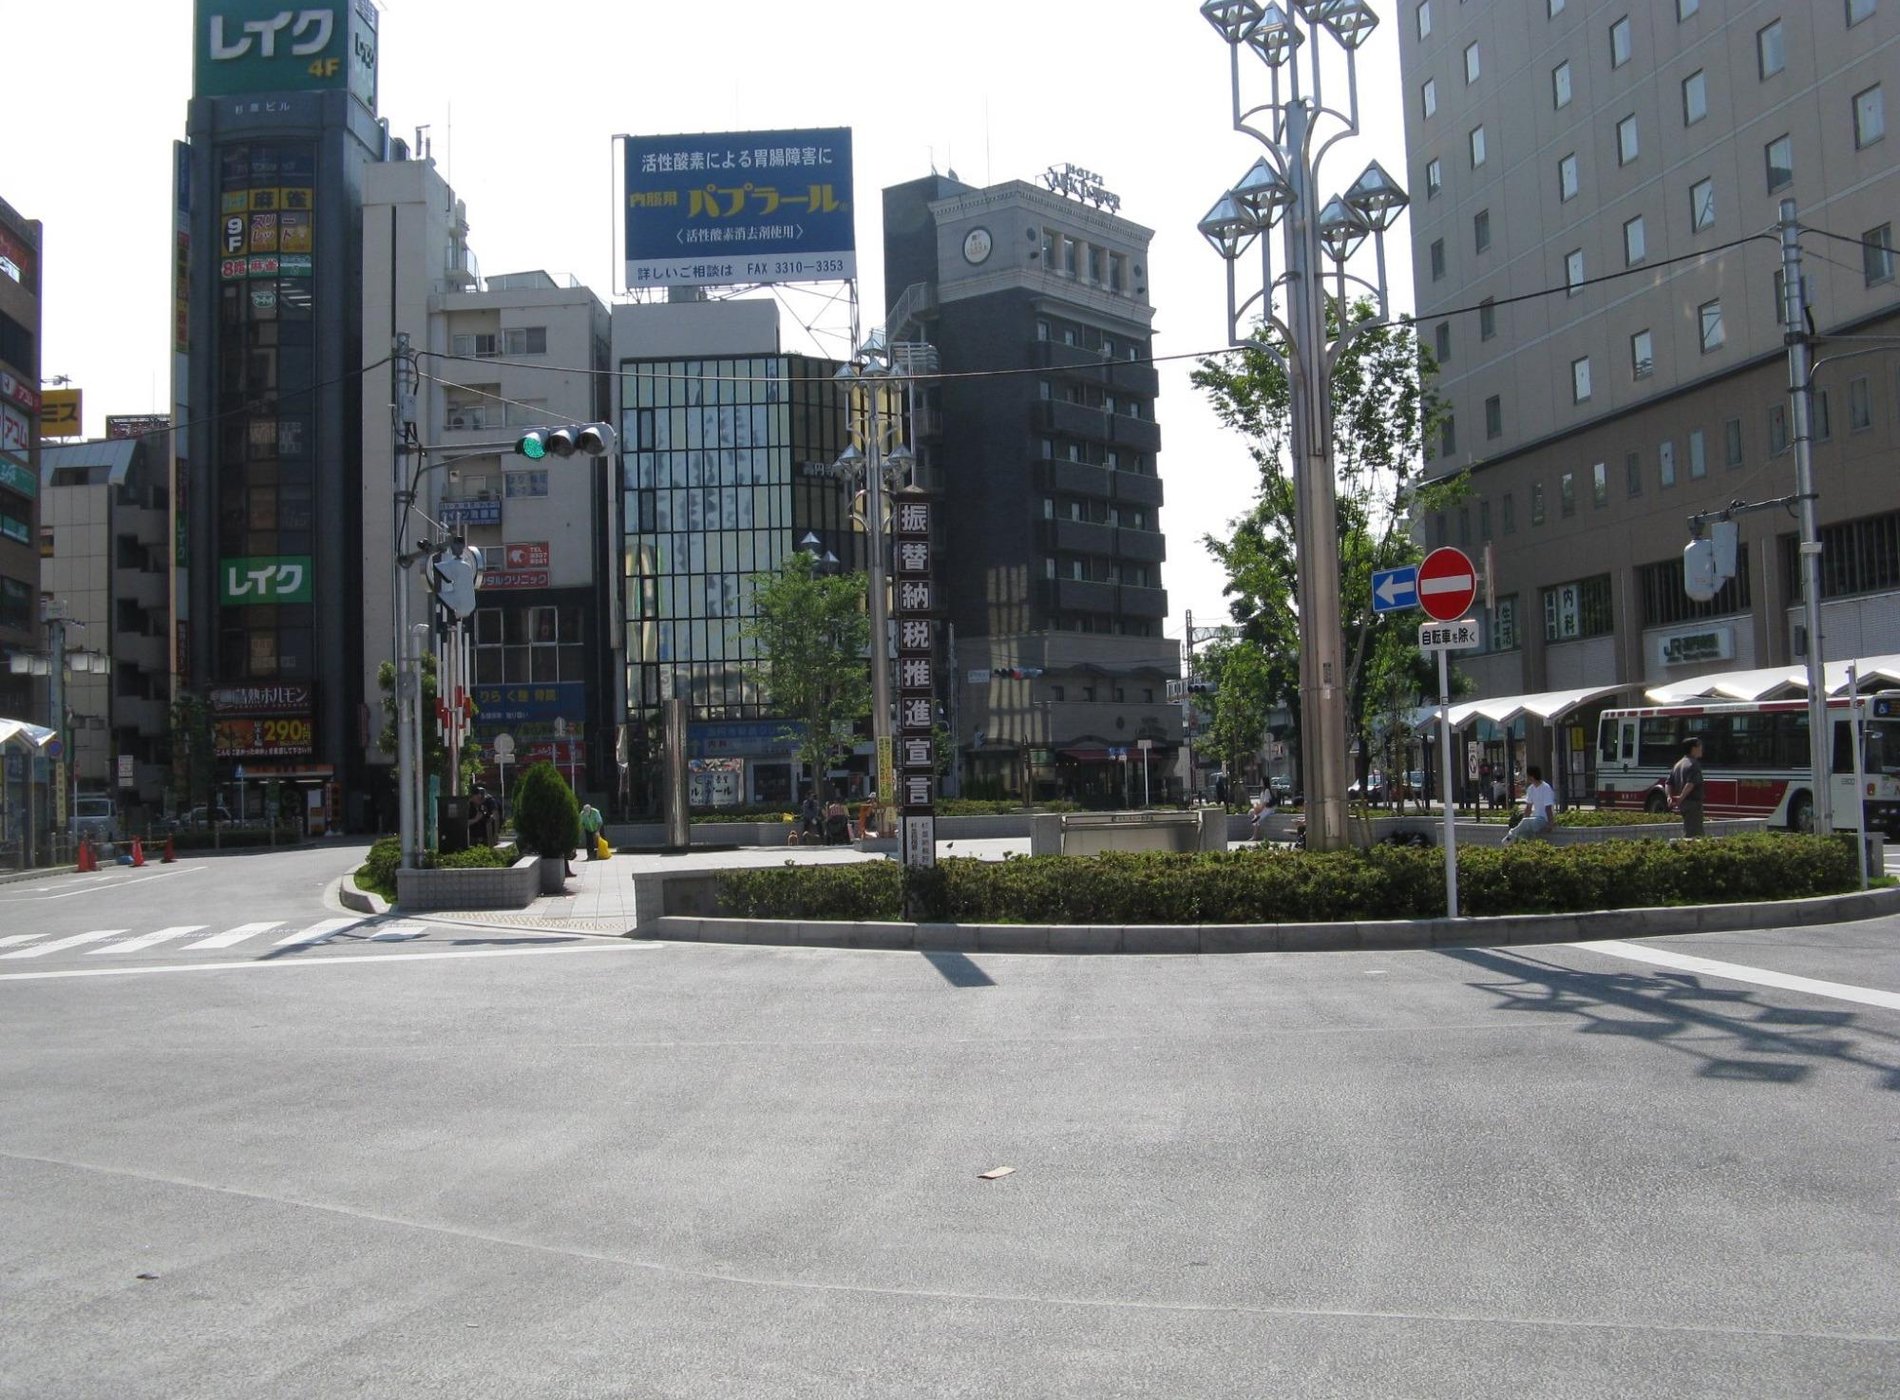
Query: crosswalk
[113, 942]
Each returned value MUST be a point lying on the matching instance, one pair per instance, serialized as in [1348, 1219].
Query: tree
[435, 749]
[1236, 706]
[1384, 413]
[194, 752]
[813, 636]
[547, 816]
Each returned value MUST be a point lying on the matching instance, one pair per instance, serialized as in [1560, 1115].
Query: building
[281, 129]
[1042, 440]
[20, 249]
[1595, 192]
[105, 542]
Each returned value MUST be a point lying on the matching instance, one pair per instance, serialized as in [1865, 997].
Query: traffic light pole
[406, 690]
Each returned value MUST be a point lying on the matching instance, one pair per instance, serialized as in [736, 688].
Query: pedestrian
[809, 821]
[481, 830]
[1685, 786]
[1540, 809]
[590, 829]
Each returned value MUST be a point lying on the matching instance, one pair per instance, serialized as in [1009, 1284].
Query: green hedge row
[378, 873]
[1275, 886]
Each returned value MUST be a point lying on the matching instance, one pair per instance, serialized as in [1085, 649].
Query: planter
[504, 887]
[553, 875]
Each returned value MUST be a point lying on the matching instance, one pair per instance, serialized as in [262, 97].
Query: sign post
[1447, 586]
[1144, 745]
[504, 755]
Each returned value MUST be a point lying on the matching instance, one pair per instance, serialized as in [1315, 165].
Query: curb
[359, 901]
[14, 877]
[1500, 931]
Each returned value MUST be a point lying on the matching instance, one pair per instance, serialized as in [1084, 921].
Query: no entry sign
[1447, 584]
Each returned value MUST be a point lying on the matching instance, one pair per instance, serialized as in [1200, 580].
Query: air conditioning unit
[459, 421]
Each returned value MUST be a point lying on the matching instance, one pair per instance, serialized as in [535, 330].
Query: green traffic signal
[532, 445]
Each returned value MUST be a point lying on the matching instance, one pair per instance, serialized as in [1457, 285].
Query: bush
[1279, 886]
[475, 858]
[547, 818]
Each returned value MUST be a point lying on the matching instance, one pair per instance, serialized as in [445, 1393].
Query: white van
[98, 817]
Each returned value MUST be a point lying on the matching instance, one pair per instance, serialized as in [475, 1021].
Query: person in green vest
[590, 829]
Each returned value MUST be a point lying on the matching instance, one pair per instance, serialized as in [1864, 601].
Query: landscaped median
[1253, 900]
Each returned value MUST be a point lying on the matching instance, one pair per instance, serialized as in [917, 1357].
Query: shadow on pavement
[958, 970]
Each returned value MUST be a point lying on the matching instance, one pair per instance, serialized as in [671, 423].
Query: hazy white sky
[523, 100]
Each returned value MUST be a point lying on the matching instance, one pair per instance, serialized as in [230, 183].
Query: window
[1434, 177]
[1695, 97]
[1424, 19]
[470, 347]
[1777, 429]
[1620, 42]
[1633, 473]
[1042, 330]
[1702, 205]
[1567, 494]
[1555, 8]
[1441, 341]
[1560, 84]
[1484, 519]
[1685, 8]
[1823, 424]
[1471, 64]
[1567, 178]
[1504, 625]
[1573, 271]
[1573, 611]
[1771, 53]
[1876, 254]
[1580, 380]
[1428, 97]
[1537, 503]
[1642, 355]
[525, 340]
[1493, 417]
[1732, 443]
[1779, 156]
[1626, 148]
[1857, 556]
[1860, 404]
[1464, 527]
[1858, 10]
[1600, 485]
[1481, 230]
[1438, 259]
[1666, 464]
[1698, 455]
[1487, 319]
[1709, 314]
[1666, 602]
[1870, 117]
[1510, 514]
[1635, 245]
[1448, 436]
[1477, 146]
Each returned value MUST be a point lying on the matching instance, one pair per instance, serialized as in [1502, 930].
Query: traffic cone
[138, 852]
[170, 855]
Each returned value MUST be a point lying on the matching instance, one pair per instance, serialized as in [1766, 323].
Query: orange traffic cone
[86, 862]
[138, 851]
[170, 855]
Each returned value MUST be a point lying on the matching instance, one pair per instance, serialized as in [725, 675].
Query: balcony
[1142, 546]
[1079, 478]
[1136, 488]
[1142, 434]
[1135, 601]
[473, 418]
[1083, 537]
[1071, 420]
[1054, 355]
[1085, 595]
[1130, 377]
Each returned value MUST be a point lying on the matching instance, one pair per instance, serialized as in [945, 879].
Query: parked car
[1372, 789]
[96, 817]
[199, 818]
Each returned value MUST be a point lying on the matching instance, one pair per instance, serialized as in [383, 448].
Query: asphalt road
[454, 1167]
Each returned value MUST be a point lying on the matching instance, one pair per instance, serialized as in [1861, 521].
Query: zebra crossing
[268, 934]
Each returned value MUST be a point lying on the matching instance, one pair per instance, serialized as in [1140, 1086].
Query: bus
[1755, 760]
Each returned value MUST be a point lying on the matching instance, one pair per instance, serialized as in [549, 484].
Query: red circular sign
[1447, 584]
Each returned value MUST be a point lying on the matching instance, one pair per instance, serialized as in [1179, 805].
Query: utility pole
[407, 691]
[1794, 311]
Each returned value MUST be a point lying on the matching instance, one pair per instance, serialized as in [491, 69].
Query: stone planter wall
[503, 887]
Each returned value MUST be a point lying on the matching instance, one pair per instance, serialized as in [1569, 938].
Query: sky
[522, 104]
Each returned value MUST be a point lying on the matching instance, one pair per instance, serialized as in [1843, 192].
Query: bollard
[170, 854]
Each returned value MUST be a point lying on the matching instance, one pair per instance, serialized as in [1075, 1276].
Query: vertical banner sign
[916, 624]
[723, 208]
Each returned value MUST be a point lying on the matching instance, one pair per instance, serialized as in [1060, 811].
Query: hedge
[377, 874]
[1277, 886]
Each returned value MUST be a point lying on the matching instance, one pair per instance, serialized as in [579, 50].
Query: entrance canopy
[1775, 682]
[1546, 705]
[36, 735]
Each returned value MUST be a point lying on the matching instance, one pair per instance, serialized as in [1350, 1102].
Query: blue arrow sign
[1393, 589]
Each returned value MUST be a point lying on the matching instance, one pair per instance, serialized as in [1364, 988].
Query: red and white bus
[1755, 760]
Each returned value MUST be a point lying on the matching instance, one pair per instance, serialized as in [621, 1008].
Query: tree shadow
[1726, 1032]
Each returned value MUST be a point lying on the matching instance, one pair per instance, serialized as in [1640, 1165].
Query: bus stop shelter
[1549, 708]
[22, 799]
[1778, 682]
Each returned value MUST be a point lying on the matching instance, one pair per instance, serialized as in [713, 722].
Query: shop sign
[1697, 647]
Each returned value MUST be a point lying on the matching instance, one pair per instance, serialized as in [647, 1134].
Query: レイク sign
[248, 582]
[245, 46]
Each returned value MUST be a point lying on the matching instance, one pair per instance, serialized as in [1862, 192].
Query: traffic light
[455, 574]
[588, 439]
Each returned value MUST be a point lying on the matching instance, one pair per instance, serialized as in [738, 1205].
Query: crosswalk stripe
[12, 938]
[234, 935]
[58, 944]
[146, 940]
[318, 932]
[396, 933]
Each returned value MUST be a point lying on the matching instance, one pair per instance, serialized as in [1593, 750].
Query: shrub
[547, 818]
[475, 858]
[378, 873]
[864, 890]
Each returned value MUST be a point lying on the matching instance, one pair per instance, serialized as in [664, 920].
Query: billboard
[61, 414]
[244, 46]
[719, 209]
[264, 579]
[136, 425]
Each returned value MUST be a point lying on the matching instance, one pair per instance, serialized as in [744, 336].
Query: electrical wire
[250, 409]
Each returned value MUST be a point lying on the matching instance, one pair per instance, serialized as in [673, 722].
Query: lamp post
[875, 424]
[1299, 319]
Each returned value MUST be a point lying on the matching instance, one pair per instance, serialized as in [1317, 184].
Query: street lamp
[1299, 319]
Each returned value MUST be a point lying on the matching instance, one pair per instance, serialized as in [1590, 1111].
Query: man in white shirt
[1540, 808]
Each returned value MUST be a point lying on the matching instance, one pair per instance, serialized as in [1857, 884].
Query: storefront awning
[1776, 681]
[1545, 705]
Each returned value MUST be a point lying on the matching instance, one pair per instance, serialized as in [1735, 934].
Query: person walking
[1685, 786]
[1540, 809]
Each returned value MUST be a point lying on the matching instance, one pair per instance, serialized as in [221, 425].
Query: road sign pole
[1444, 780]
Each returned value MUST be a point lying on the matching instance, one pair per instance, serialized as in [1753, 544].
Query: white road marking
[397, 933]
[73, 941]
[146, 940]
[12, 938]
[317, 932]
[1738, 972]
[104, 882]
[234, 935]
[603, 946]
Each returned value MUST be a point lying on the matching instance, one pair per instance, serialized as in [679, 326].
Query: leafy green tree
[1384, 413]
[194, 752]
[1236, 707]
[435, 749]
[812, 634]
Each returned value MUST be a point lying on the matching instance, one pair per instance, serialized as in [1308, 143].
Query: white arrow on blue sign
[1393, 589]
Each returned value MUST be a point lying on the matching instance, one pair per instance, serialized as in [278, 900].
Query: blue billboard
[726, 208]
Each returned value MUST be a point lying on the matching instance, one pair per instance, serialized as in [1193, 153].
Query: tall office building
[20, 244]
[281, 127]
[1596, 186]
[1041, 437]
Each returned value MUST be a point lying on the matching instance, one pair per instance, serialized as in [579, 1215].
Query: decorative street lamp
[1299, 317]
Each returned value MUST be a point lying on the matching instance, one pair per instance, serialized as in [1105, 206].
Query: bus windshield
[1880, 748]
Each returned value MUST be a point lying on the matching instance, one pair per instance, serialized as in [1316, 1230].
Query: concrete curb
[13, 877]
[358, 900]
[1277, 938]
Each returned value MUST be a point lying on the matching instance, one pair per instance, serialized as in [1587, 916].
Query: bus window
[1717, 735]
[1751, 740]
[1661, 741]
[1791, 740]
[1843, 745]
[1882, 744]
[1606, 742]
